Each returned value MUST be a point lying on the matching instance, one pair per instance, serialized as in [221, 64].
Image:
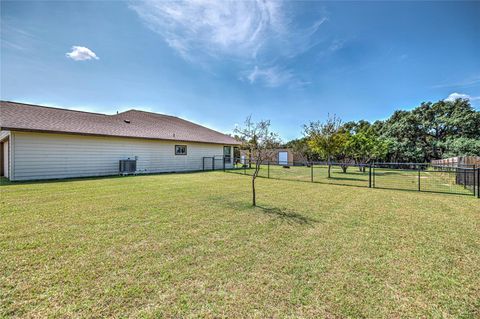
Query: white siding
[46, 156]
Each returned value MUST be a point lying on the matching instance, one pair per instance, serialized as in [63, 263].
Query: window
[227, 153]
[180, 149]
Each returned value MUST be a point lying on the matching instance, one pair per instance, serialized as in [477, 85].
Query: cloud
[468, 82]
[270, 77]
[454, 96]
[252, 34]
[236, 28]
[81, 54]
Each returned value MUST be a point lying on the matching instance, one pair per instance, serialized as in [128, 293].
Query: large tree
[261, 143]
[430, 131]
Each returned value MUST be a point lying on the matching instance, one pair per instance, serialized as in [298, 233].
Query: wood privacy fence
[462, 164]
[459, 161]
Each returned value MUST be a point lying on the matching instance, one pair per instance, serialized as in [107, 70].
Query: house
[40, 142]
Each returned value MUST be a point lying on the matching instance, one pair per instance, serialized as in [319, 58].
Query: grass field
[190, 245]
[430, 181]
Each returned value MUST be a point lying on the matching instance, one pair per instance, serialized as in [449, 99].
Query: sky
[215, 63]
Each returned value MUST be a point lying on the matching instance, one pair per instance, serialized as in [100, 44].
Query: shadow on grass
[348, 179]
[6, 182]
[287, 216]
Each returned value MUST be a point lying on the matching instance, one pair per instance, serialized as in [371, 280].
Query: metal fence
[403, 176]
[212, 163]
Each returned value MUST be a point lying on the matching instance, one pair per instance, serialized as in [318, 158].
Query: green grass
[190, 245]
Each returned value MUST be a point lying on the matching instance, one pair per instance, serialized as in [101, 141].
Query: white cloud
[250, 33]
[452, 97]
[468, 82]
[236, 28]
[271, 76]
[81, 54]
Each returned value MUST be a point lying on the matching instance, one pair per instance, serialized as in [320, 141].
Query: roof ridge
[53, 107]
[149, 112]
[177, 117]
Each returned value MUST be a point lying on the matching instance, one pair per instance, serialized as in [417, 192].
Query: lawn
[190, 245]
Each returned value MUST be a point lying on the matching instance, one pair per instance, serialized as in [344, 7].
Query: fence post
[373, 175]
[213, 163]
[224, 163]
[478, 182]
[311, 172]
[419, 178]
[474, 179]
[268, 169]
[203, 163]
[464, 178]
[370, 176]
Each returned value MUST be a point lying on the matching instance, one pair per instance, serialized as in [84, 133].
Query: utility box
[127, 166]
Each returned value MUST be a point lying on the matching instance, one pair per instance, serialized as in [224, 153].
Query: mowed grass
[190, 245]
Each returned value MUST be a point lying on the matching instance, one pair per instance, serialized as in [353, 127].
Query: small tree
[261, 143]
[325, 138]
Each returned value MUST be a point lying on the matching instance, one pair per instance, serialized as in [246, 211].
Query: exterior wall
[5, 154]
[48, 156]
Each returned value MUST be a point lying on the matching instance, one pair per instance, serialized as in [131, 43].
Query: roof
[132, 123]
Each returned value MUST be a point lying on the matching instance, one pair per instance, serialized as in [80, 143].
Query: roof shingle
[132, 123]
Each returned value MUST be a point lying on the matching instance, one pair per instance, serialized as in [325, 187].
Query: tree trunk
[329, 166]
[344, 168]
[254, 201]
[254, 176]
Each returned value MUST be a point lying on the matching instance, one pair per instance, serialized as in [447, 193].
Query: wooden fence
[460, 161]
[463, 165]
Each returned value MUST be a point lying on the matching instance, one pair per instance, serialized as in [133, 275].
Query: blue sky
[217, 62]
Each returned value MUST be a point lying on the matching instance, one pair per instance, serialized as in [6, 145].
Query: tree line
[429, 131]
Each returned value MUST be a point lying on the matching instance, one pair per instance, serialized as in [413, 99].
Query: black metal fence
[403, 176]
[217, 162]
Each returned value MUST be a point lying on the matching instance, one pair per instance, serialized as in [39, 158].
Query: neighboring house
[39, 142]
[281, 156]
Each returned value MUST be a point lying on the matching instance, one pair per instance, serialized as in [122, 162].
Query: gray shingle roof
[132, 123]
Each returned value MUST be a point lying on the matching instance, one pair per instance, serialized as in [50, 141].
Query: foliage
[300, 146]
[430, 131]
[326, 138]
[461, 145]
[365, 144]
